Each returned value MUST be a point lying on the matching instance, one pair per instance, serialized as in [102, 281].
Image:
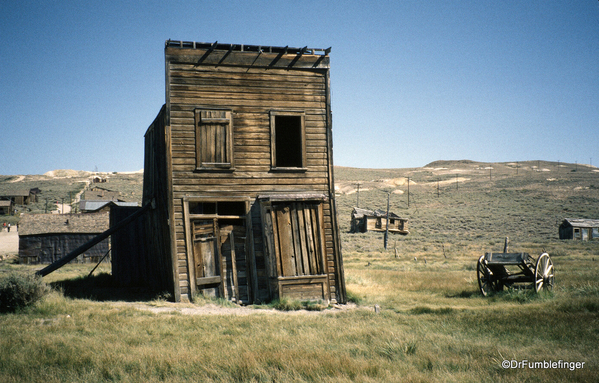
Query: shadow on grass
[464, 294]
[102, 287]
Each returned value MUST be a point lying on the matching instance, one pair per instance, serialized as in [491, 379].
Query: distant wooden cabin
[6, 207]
[98, 179]
[45, 238]
[363, 220]
[580, 229]
[239, 167]
[23, 196]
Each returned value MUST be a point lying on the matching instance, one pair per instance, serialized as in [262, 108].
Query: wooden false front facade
[239, 167]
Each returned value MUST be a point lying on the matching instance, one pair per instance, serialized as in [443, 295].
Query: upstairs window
[288, 148]
[214, 139]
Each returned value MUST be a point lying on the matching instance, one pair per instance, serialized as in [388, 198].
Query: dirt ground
[9, 242]
[212, 309]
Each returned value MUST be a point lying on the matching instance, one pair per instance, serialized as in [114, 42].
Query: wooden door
[295, 250]
[220, 260]
[298, 239]
[207, 258]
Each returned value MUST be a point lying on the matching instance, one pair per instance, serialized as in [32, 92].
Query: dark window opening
[288, 133]
[202, 207]
[231, 208]
[221, 208]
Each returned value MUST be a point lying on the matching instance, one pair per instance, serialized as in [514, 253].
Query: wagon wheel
[544, 277]
[486, 279]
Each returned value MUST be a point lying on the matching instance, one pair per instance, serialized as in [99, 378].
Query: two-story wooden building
[239, 171]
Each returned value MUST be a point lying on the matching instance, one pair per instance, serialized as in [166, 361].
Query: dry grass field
[433, 324]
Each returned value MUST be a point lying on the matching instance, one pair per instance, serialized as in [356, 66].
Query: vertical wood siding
[157, 237]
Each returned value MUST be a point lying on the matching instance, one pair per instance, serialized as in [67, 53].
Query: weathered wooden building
[363, 220]
[580, 229]
[45, 238]
[22, 196]
[239, 169]
[6, 207]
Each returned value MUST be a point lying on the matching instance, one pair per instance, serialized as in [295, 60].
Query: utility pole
[437, 188]
[387, 224]
[408, 192]
[358, 196]
[46, 209]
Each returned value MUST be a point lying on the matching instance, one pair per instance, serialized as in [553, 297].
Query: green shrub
[285, 304]
[353, 297]
[20, 290]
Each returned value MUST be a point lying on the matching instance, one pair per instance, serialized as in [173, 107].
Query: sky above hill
[412, 81]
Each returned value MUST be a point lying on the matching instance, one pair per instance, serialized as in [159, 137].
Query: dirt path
[20, 178]
[212, 309]
[9, 242]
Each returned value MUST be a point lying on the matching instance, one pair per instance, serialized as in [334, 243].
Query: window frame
[199, 134]
[273, 139]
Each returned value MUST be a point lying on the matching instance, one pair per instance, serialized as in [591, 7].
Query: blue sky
[412, 81]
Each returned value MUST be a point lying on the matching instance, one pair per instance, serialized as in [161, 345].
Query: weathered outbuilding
[45, 238]
[581, 229]
[6, 207]
[363, 220]
[239, 167]
[22, 196]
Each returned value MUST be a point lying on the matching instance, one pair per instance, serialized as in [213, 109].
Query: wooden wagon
[517, 270]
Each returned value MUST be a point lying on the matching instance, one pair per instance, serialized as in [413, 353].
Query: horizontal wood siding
[48, 248]
[250, 93]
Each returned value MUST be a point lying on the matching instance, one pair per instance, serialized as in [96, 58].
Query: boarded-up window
[214, 139]
[295, 239]
[287, 140]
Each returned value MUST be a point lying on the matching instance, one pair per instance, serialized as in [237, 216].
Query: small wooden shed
[22, 196]
[580, 229]
[6, 207]
[363, 220]
[45, 238]
[239, 167]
